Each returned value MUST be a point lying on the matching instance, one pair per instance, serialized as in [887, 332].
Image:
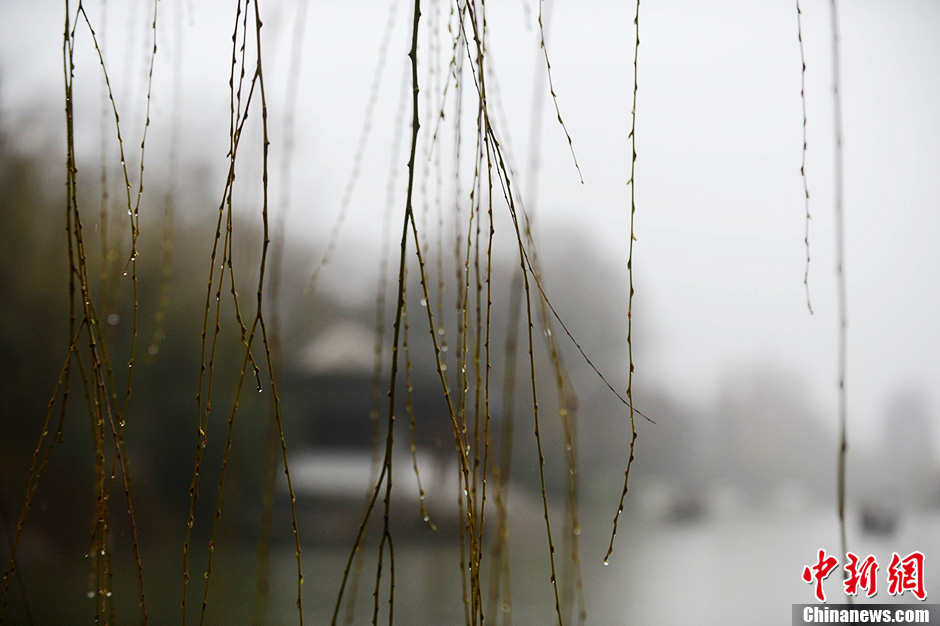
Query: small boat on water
[879, 520]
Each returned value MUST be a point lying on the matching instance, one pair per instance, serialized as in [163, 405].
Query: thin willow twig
[259, 317]
[385, 473]
[364, 134]
[799, 36]
[840, 276]
[551, 88]
[262, 548]
[535, 412]
[633, 434]
[573, 591]
[169, 203]
[207, 367]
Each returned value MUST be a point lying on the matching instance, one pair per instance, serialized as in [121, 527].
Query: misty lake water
[742, 568]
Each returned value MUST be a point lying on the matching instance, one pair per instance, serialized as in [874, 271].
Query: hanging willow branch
[239, 116]
[799, 35]
[632, 181]
[107, 414]
[840, 272]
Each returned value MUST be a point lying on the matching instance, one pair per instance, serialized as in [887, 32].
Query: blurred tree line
[761, 440]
